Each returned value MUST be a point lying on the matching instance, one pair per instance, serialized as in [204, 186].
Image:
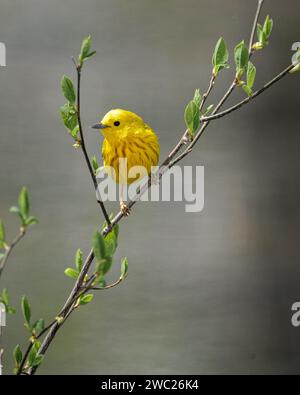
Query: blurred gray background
[208, 292]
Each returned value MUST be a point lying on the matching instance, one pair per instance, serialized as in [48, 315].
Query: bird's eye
[117, 123]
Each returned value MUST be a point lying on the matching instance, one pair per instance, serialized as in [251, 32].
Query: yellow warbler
[127, 136]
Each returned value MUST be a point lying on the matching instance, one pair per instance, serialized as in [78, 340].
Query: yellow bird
[127, 136]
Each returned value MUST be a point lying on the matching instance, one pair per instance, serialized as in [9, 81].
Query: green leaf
[124, 267]
[192, 117]
[251, 74]
[1, 256]
[39, 325]
[69, 117]
[95, 163]
[37, 345]
[85, 299]
[104, 266]
[26, 310]
[220, 56]
[74, 132]
[241, 58]
[268, 26]
[261, 35]
[71, 273]
[32, 356]
[5, 297]
[79, 260]
[31, 221]
[68, 89]
[18, 356]
[197, 97]
[2, 234]
[24, 205]
[90, 54]
[111, 241]
[208, 110]
[85, 48]
[11, 310]
[38, 360]
[99, 246]
[247, 90]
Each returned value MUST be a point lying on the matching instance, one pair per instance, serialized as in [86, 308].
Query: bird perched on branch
[127, 136]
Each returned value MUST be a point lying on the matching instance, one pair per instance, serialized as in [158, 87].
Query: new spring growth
[263, 34]
[192, 111]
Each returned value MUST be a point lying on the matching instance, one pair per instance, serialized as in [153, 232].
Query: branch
[109, 286]
[259, 7]
[9, 248]
[206, 94]
[225, 97]
[83, 146]
[248, 99]
[54, 326]
[185, 137]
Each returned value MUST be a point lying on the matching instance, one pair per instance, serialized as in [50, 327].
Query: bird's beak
[99, 126]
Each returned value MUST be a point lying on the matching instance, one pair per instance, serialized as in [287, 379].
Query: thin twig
[206, 94]
[225, 97]
[189, 149]
[109, 286]
[53, 327]
[22, 364]
[259, 7]
[83, 146]
[247, 99]
[10, 247]
[185, 137]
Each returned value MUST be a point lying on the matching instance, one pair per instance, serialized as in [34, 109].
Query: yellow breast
[140, 148]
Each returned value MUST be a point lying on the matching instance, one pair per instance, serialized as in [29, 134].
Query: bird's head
[118, 123]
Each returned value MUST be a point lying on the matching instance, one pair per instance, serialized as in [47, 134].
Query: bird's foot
[125, 210]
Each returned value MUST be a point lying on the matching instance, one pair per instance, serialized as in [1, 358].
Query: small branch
[22, 364]
[109, 286]
[9, 249]
[259, 7]
[54, 325]
[64, 314]
[206, 94]
[185, 137]
[83, 146]
[203, 127]
[183, 141]
[248, 99]
[218, 106]
[206, 120]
